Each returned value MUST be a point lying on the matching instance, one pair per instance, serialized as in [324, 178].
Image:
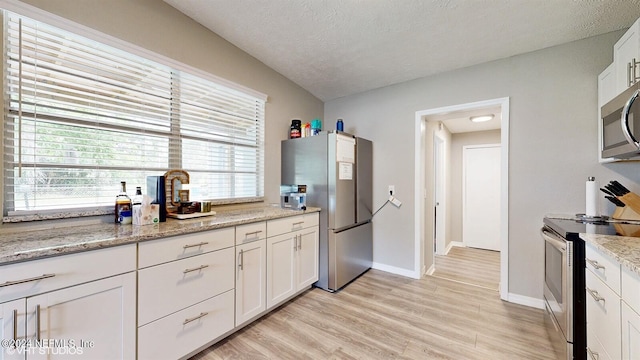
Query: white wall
[158, 27]
[458, 141]
[553, 144]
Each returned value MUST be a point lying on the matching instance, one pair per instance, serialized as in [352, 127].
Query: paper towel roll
[592, 197]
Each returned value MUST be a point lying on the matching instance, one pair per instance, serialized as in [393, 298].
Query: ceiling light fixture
[481, 118]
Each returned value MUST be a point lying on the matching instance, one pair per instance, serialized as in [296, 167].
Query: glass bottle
[123, 204]
[137, 198]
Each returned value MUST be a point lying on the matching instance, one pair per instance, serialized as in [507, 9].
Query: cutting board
[190, 216]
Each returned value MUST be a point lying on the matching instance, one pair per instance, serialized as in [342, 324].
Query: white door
[307, 258]
[250, 280]
[12, 332]
[481, 197]
[97, 320]
[281, 281]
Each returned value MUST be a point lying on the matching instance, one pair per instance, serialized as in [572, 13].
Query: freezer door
[342, 181]
[350, 254]
[364, 175]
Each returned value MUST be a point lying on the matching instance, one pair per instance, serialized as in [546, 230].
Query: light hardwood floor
[472, 266]
[385, 316]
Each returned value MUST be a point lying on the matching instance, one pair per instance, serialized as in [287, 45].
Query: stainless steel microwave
[621, 125]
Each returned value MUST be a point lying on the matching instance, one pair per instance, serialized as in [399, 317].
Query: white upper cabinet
[626, 57]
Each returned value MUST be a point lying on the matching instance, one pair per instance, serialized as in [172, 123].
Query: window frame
[67, 25]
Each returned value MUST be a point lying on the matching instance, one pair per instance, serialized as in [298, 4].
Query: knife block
[625, 213]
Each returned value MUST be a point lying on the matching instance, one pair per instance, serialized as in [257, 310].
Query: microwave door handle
[624, 120]
[558, 244]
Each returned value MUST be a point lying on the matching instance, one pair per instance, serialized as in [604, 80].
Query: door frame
[421, 189]
[439, 187]
[464, 176]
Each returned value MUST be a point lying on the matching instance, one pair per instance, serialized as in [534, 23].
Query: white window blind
[82, 116]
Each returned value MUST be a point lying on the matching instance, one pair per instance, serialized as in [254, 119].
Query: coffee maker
[293, 197]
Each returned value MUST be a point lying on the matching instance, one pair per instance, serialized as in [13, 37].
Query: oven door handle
[553, 240]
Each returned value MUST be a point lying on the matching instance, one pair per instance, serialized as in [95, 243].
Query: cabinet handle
[202, 314]
[15, 325]
[252, 233]
[37, 322]
[595, 295]
[596, 265]
[629, 70]
[299, 242]
[295, 243]
[592, 354]
[195, 269]
[195, 245]
[16, 282]
[241, 263]
[298, 223]
[634, 77]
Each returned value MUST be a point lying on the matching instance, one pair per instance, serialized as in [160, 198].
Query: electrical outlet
[392, 189]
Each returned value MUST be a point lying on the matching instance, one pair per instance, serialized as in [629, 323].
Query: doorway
[428, 172]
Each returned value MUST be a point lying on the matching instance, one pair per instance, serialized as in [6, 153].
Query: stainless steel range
[564, 282]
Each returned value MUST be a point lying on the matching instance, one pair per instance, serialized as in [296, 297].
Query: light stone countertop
[624, 249]
[29, 245]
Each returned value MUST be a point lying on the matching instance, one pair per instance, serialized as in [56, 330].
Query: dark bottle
[296, 129]
[340, 125]
[123, 204]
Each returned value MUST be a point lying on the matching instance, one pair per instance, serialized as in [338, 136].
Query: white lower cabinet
[603, 319]
[251, 280]
[93, 320]
[179, 334]
[292, 258]
[630, 333]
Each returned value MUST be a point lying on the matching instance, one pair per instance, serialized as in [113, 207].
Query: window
[81, 116]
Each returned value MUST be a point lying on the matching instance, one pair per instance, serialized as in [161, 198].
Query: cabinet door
[626, 49]
[307, 258]
[630, 333]
[251, 280]
[12, 330]
[96, 320]
[281, 282]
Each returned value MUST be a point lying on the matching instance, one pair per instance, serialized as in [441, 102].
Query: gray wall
[458, 141]
[158, 27]
[552, 144]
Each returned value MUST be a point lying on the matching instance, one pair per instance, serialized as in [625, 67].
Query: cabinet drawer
[179, 247]
[595, 350]
[604, 267]
[292, 223]
[173, 286]
[34, 277]
[179, 334]
[250, 232]
[603, 316]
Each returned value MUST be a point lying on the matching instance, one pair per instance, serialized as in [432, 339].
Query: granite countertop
[29, 245]
[624, 249]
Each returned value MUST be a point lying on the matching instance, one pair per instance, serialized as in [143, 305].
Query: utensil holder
[625, 213]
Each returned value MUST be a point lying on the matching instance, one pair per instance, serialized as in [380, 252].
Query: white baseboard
[396, 270]
[525, 300]
[432, 268]
[452, 244]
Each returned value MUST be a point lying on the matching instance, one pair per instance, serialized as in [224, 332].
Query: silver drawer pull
[195, 245]
[38, 322]
[252, 233]
[15, 325]
[596, 265]
[196, 269]
[44, 276]
[592, 354]
[298, 223]
[202, 314]
[595, 295]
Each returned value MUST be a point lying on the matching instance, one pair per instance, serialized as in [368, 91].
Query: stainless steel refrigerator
[337, 169]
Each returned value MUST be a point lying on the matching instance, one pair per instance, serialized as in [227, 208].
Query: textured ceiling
[335, 48]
